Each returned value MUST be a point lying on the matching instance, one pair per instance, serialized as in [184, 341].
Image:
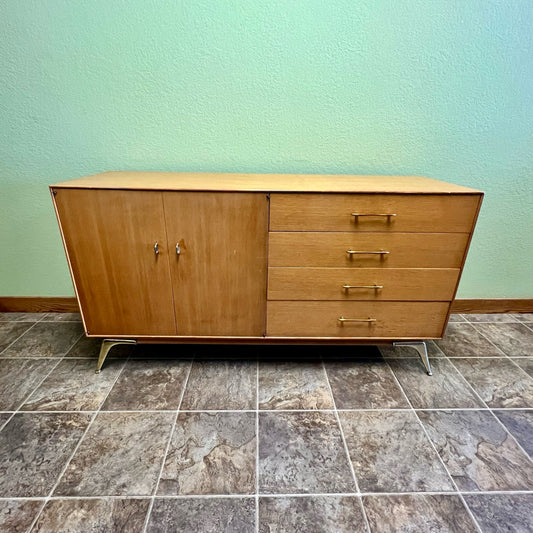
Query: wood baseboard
[53, 304]
[38, 304]
[495, 305]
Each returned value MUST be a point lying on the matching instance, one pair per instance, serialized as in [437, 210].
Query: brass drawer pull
[353, 252]
[342, 320]
[388, 215]
[362, 287]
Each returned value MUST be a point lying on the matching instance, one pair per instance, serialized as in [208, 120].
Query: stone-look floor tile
[62, 317]
[312, 514]
[526, 365]
[90, 347]
[477, 451]
[11, 331]
[499, 382]
[148, 385]
[490, 317]
[221, 384]
[50, 339]
[462, 340]
[203, 515]
[94, 516]
[16, 516]
[515, 340]
[365, 385]
[302, 452]
[211, 453]
[524, 317]
[454, 317]
[389, 351]
[73, 386]
[34, 448]
[439, 513]
[446, 388]
[502, 512]
[120, 455]
[21, 317]
[19, 377]
[390, 452]
[4, 417]
[520, 425]
[293, 386]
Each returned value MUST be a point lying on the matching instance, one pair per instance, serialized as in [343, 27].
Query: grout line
[518, 366]
[82, 438]
[438, 454]
[115, 381]
[497, 419]
[276, 411]
[346, 451]
[487, 338]
[177, 411]
[63, 470]
[269, 495]
[26, 398]
[74, 343]
[34, 521]
[7, 420]
[20, 336]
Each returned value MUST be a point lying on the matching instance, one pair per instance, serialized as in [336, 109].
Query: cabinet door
[219, 276]
[123, 285]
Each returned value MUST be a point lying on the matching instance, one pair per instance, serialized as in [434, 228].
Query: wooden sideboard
[199, 257]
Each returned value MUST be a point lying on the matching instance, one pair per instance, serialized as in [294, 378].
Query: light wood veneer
[263, 258]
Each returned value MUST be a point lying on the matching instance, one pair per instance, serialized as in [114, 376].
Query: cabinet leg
[420, 347]
[107, 344]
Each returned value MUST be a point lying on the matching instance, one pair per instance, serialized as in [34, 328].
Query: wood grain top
[204, 181]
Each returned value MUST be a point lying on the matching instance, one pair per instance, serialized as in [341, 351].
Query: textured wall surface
[431, 87]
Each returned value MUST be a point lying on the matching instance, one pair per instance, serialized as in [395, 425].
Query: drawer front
[374, 212]
[391, 319]
[406, 250]
[289, 283]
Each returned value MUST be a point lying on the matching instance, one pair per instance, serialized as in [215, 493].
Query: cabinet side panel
[219, 276]
[123, 286]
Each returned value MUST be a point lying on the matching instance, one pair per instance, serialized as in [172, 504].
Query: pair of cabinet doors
[133, 280]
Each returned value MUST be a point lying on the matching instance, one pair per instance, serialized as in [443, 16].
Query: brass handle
[353, 252]
[156, 249]
[342, 319]
[373, 214]
[362, 287]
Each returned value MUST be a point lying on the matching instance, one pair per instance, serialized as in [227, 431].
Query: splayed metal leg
[107, 344]
[420, 347]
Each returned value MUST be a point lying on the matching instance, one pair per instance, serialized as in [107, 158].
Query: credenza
[264, 258]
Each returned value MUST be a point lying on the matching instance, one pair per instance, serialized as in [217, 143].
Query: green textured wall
[431, 87]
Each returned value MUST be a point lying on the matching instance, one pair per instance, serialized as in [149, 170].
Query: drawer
[391, 319]
[289, 283]
[375, 212]
[405, 250]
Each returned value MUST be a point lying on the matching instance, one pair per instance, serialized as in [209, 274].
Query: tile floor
[266, 439]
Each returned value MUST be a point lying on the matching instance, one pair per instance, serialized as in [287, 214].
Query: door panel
[219, 277]
[123, 286]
